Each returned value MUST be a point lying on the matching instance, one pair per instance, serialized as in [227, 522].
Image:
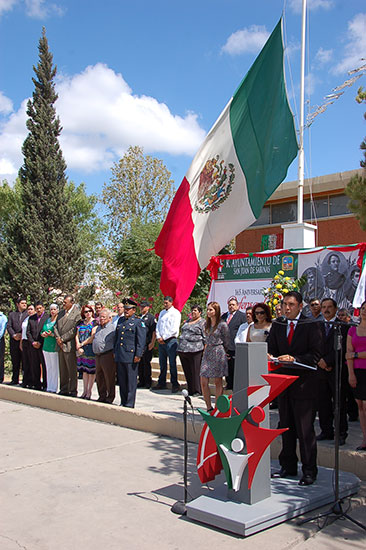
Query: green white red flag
[243, 159]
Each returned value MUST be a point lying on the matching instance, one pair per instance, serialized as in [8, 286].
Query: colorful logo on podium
[221, 444]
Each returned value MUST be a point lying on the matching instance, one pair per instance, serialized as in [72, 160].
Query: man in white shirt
[167, 330]
[120, 311]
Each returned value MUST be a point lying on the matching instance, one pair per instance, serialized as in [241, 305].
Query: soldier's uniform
[129, 343]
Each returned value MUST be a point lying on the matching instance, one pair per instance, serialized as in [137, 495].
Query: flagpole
[300, 186]
[300, 234]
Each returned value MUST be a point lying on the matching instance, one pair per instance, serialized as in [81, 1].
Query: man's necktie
[229, 317]
[327, 328]
[291, 332]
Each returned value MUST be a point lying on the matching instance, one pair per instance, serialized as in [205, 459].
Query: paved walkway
[68, 482]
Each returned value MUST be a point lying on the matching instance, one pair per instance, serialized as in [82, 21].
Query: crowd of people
[52, 348]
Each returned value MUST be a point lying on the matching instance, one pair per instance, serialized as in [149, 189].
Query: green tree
[140, 189]
[356, 188]
[90, 228]
[42, 247]
[141, 268]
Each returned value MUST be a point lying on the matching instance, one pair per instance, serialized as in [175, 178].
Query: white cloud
[101, 117]
[12, 134]
[296, 5]
[247, 40]
[7, 5]
[310, 83]
[6, 105]
[355, 48]
[292, 48]
[322, 57]
[38, 9]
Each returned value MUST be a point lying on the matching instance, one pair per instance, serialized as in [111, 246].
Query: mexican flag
[243, 159]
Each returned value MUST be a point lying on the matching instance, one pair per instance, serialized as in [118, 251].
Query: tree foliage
[90, 229]
[141, 267]
[356, 188]
[140, 189]
[42, 244]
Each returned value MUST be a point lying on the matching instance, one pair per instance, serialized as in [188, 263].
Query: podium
[261, 502]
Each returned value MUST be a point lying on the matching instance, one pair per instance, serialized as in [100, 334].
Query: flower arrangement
[279, 287]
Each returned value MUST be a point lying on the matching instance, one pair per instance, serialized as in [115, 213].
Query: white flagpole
[300, 185]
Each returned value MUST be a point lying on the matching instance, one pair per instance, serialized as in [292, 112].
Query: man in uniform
[145, 363]
[129, 345]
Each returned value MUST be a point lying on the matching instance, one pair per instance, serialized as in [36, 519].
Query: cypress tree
[43, 249]
[356, 188]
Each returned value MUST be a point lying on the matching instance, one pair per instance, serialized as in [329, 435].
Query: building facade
[325, 205]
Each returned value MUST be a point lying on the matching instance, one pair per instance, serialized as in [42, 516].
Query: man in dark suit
[65, 332]
[297, 339]
[129, 345]
[234, 318]
[3, 323]
[326, 376]
[145, 363]
[35, 340]
[14, 328]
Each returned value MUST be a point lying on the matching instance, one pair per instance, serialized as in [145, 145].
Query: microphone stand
[336, 508]
[179, 507]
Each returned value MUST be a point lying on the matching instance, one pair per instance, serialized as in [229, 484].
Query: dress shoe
[284, 473]
[361, 448]
[159, 387]
[324, 437]
[307, 479]
[342, 440]
[140, 385]
[175, 389]
[12, 383]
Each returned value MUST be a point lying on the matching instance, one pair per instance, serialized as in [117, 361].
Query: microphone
[186, 397]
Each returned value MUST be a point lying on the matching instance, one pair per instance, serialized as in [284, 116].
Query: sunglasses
[88, 311]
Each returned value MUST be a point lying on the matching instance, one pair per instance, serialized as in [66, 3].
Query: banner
[332, 271]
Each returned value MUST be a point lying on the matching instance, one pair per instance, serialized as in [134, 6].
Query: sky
[158, 73]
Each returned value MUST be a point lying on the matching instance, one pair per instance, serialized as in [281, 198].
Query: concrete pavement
[161, 413]
[68, 482]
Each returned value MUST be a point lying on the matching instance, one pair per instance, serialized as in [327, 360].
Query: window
[317, 209]
[285, 212]
[338, 205]
[263, 217]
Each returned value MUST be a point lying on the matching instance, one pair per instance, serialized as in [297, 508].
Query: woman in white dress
[262, 321]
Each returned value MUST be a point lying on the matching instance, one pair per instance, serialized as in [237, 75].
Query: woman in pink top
[356, 361]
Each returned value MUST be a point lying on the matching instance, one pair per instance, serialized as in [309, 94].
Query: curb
[111, 414]
[161, 424]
